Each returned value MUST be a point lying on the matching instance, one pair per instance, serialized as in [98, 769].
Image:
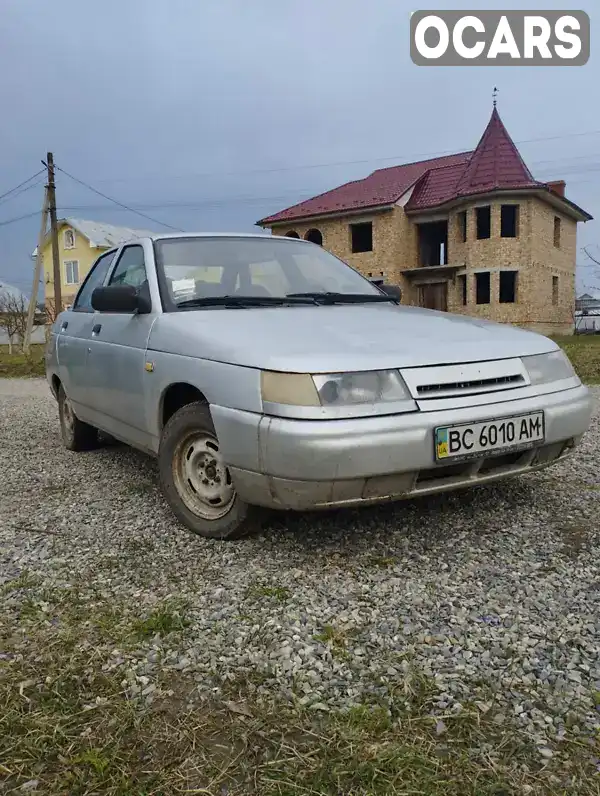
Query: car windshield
[270, 269]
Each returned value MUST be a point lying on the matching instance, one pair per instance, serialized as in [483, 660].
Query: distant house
[80, 243]
[14, 293]
[587, 314]
[471, 233]
[21, 301]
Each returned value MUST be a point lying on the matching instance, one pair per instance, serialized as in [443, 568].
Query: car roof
[179, 235]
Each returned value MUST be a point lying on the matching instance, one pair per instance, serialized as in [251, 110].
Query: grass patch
[165, 619]
[584, 352]
[332, 635]
[24, 581]
[259, 591]
[383, 562]
[19, 365]
[69, 725]
[337, 641]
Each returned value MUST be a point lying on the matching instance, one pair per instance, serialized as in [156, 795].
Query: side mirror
[120, 298]
[392, 290]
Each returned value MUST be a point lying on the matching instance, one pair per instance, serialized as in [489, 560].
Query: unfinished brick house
[471, 233]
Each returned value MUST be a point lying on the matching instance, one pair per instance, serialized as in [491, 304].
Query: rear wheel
[196, 481]
[76, 435]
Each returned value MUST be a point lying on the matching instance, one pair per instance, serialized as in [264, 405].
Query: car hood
[327, 339]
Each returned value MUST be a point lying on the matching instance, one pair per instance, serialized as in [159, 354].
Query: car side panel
[227, 386]
[74, 331]
[50, 358]
[115, 367]
[116, 364]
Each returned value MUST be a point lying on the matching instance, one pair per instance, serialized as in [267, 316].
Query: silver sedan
[264, 372]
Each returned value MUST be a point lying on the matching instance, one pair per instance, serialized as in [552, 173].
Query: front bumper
[299, 464]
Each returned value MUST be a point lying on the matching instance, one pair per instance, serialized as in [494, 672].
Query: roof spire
[496, 163]
[495, 96]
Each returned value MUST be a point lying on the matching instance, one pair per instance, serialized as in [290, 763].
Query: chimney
[558, 187]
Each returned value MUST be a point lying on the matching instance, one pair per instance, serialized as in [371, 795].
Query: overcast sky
[210, 114]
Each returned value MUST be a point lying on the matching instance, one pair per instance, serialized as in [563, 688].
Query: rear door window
[95, 278]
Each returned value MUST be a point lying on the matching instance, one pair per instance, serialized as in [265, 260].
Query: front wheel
[196, 481]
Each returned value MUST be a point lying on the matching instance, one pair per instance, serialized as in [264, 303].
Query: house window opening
[462, 286]
[292, 234]
[72, 272]
[433, 243]
[361, 237]
[557, 231]
[314, 236]
[482, 288]
[508, 287]
[483, 218]
[555, 290]
[69, 239]
[462, 225]
[509, 221]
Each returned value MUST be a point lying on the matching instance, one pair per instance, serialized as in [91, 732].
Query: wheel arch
[55, 384]
[174, 397]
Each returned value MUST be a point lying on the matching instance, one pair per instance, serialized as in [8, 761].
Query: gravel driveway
[491, 595]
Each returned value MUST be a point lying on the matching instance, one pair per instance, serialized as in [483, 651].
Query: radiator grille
[425, 390]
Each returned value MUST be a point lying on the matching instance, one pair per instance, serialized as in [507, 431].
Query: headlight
[544, 368]
[297, 389]
[341, 389]
[333, 389]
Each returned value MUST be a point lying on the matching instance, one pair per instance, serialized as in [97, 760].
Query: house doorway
[434, 296]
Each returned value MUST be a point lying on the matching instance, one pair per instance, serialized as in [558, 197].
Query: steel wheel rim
[201, 477]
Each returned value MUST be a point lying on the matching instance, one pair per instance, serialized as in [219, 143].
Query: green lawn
[583, 350]
[71, 723]
[21, 366]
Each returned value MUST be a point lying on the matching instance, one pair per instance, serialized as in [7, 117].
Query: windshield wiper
[245, 301]
[344, 298]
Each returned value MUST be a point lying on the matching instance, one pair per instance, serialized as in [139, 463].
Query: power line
[19, 218]
[206, 203]
[27, 188]
[296, 196]
[115, 201]
[238, 200]
[401, 158]
[16, 188]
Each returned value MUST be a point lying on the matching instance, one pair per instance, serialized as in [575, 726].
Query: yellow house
[80, 243]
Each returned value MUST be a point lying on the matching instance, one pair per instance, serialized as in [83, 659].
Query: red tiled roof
[436, 187]
[494, 165]
[382, 187]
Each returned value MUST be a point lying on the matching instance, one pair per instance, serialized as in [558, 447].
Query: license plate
[470, 440]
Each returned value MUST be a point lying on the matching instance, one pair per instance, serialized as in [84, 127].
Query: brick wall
[394, 241]
[532, 254]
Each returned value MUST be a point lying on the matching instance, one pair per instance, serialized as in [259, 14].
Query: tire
[76, 435]
[195, 480]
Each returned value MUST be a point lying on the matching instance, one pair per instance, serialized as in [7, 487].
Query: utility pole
[37, 272]
[54, 234]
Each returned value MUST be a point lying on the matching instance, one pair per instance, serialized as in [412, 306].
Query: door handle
[96, 328]
[64, 326]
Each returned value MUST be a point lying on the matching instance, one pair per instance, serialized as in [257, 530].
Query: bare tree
[592, 258]
[13, 317]
[50, 315]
